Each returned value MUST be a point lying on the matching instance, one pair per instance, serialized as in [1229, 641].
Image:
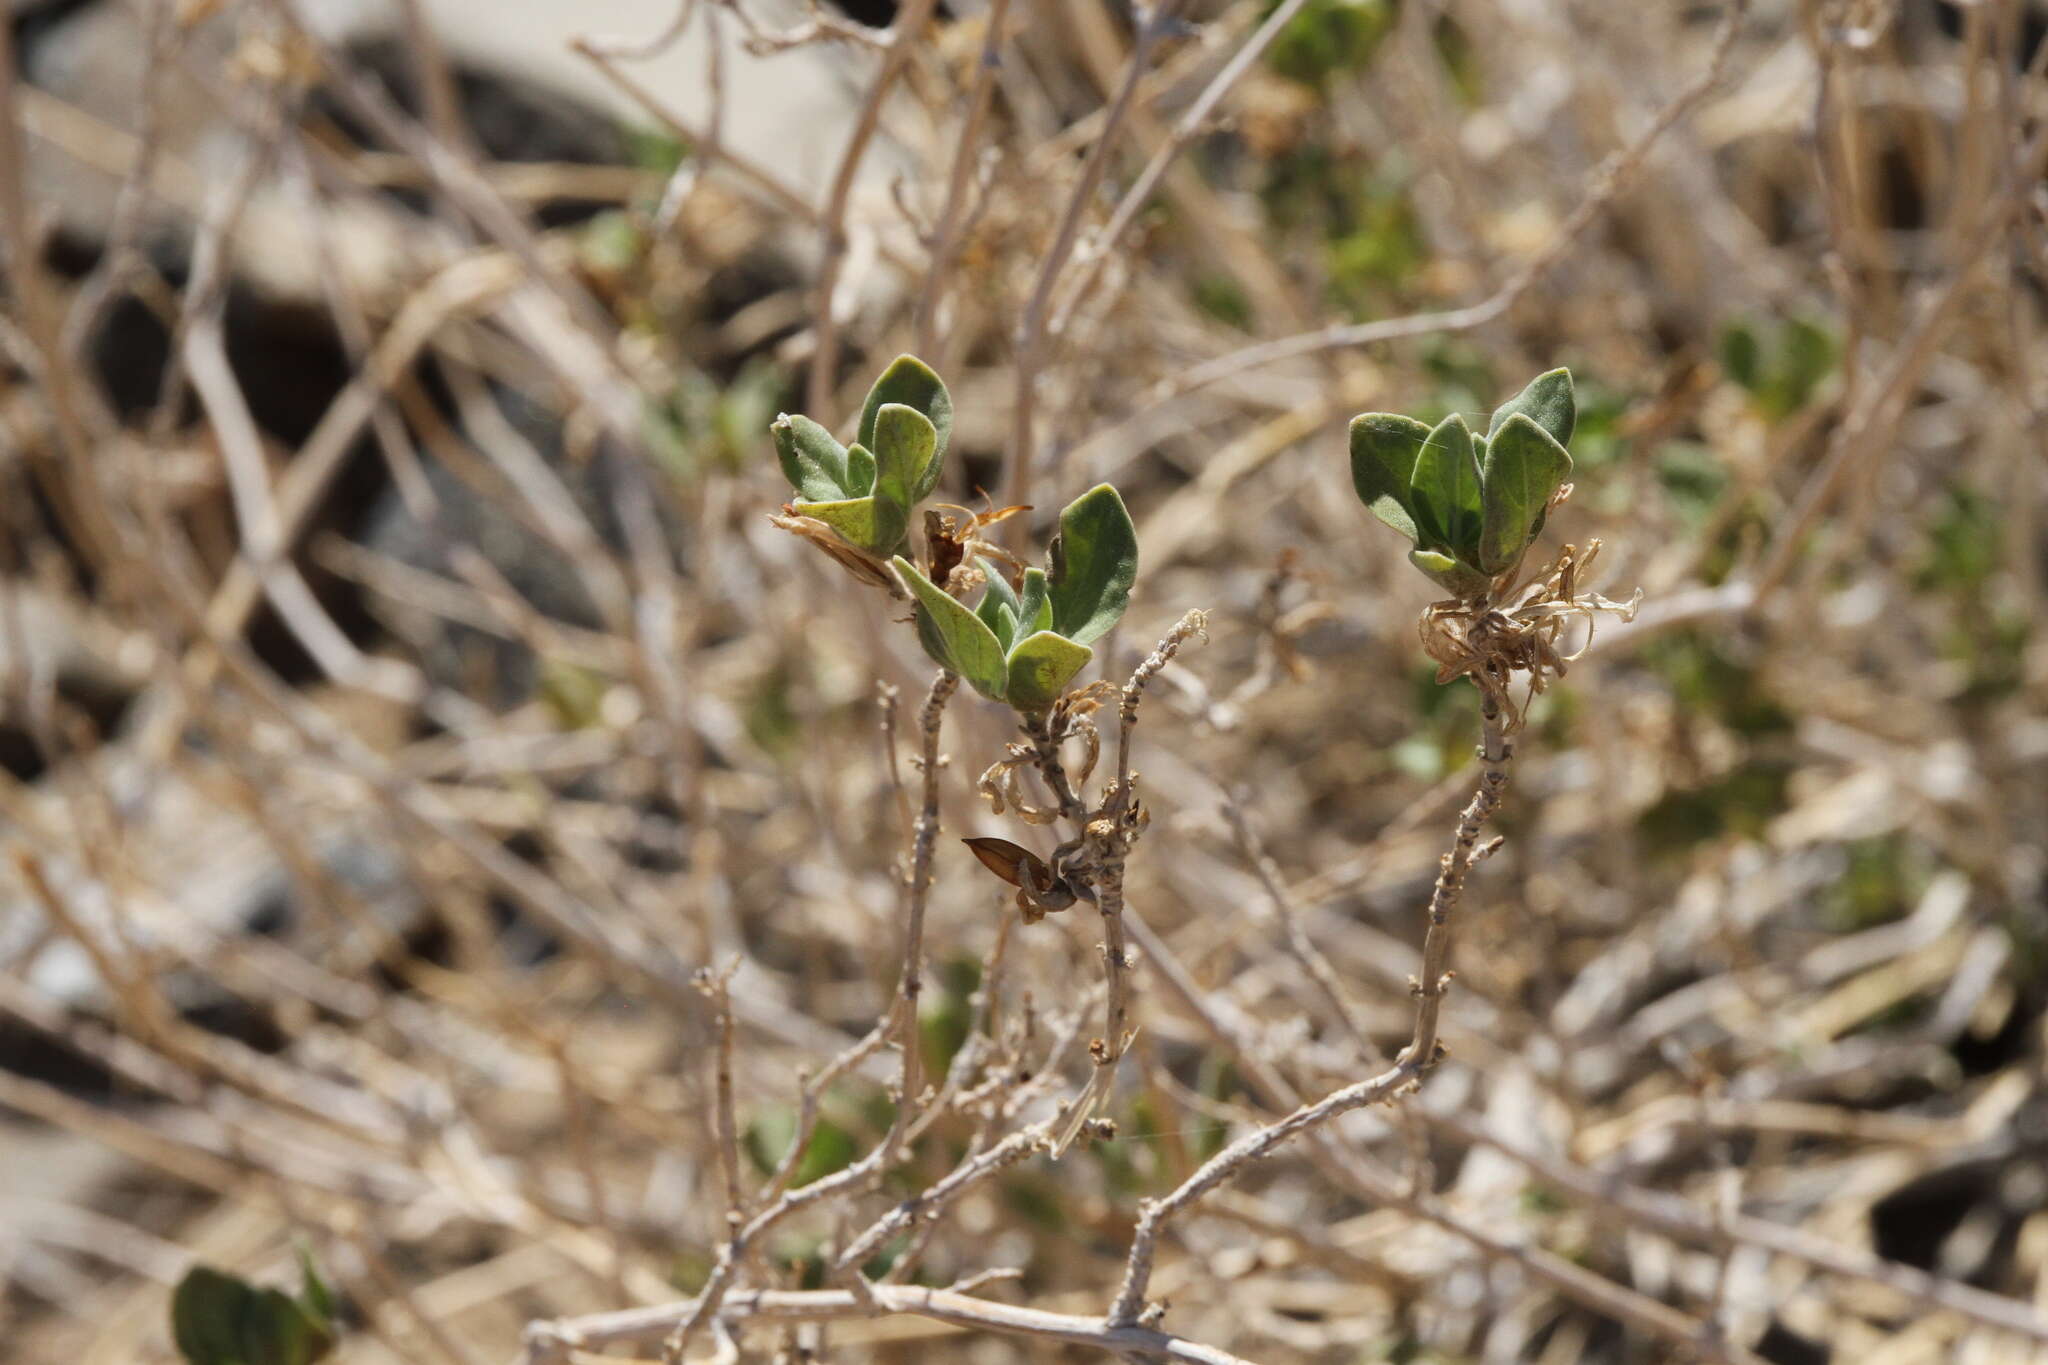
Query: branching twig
[1607, 182]
[1414, 1062]
[1152, 24]
[551, 1342]
[911, 19]
[911, 989]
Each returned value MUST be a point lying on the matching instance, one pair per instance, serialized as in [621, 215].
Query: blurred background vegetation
[402, 690]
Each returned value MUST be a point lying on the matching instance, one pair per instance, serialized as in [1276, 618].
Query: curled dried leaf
[1491, 644]
[856, 561]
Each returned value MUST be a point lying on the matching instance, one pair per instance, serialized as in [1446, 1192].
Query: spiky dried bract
[1489, 644]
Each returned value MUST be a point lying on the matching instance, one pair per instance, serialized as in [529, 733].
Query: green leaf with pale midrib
[1548, 401]
[1383, 450]
[1445, 490]
[1094, 563]
[1522, 470]
[955, 637]
[1040, 666]
[912, 383]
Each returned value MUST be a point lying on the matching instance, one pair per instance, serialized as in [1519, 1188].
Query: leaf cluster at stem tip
[1471, 504]
[1025, 642]
[865, 491]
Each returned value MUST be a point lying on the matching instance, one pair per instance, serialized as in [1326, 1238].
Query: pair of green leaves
[865, 492]
[1471, 504]
[221, 1319]
[1024, 644]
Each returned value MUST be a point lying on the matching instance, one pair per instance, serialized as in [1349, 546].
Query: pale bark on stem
[718, 988]
[555, 1341]
[1494, 753]
[1412, 1065]
[927, 1203]
[922, 844]
[904, 1029]
[1109, 890]
[1107, 839]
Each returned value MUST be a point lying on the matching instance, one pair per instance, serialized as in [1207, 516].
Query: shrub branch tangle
[714, 1071]
[1472, 505]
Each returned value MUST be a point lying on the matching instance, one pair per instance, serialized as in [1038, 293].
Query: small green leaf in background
[1384, 446]
[1445, 490]
[814, 463]
[1328, 36]
[1781, 363]
[1547, 400]
[1040, 667]
[221, 1319]
[911, 382]
[767, 1140]
[315, 1298]
[1742, 355]
[955, 637]
[1094, 563]
[1523, 469]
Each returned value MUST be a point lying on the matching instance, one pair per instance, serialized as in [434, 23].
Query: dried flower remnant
[1488, 644]
[1025, 642]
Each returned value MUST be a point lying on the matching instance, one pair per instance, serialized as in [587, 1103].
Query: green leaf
[1384, 446]
[207, 1310]
[860, 471]
[278, 1332]
[905, 444]
[768, 1136]
[954, 636]
[314, 1295]
[1034, 607]
[814, 463]
[1547, 401]
[1094, 563]
[1445, 491]
[874, 524]
[1742, 355]
[910, 381]
[1041, 666]
[1457, 578]
[999, 595]
[1809, 357]
[220, 1319]
[1523, 468]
